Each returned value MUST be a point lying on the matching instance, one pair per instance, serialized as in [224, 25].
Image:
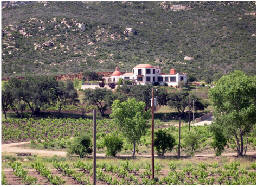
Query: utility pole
[189, 112]
[152, 133]
[193, 110]
[94, 147]
[179, 137]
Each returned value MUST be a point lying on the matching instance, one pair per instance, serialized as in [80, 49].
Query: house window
[181, 78]
[154, 80]
[127, 78]
[148, 71]
[114, 79]
[160, 79]
[153, 71]
[133, 70]
[139, 71]
[172, 79]
[166, 79]
[139, 78]
[148, 79]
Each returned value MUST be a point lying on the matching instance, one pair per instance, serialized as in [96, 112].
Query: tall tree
[131, 118]
[99, 97]
[234, 101]
[178, 100]
[7, 101]
[66, 94]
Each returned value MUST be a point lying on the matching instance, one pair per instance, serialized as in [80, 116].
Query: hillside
[204, 39]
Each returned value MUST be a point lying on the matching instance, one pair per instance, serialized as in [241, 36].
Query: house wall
[151, 75]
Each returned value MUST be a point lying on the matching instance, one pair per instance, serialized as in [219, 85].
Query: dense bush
[163, 142]
[113, 143]
[112, 85]
[81, 146]
[191, 141]
[219, 140]
[101, 84]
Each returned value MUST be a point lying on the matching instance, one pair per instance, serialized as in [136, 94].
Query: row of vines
[130, 173]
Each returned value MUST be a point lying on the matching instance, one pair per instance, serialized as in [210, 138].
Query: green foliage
[120, 82]
[233, 98]
[113, 143]
[178, 100]
[91, 76]
[3, 179]
[163, 142]
[41, 168]
[172, 166]
[20, 172]
[219, 140]
[81, 146]
[191, 141]
[99, 97]
[131, 119]
[40, 91]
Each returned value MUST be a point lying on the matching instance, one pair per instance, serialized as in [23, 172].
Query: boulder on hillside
[188, 58]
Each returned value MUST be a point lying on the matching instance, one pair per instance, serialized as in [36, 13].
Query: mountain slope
[204, 39]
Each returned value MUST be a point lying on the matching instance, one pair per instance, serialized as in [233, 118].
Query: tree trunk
[5, 114]
[238, 146]
[59, 108]
[16, 111]
[163, 153]
[134, 145]
[241, 144]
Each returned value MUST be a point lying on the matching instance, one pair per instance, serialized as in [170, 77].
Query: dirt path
[18, 148]
[202, 123]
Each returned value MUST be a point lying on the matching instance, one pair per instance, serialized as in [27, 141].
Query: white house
[147, 74]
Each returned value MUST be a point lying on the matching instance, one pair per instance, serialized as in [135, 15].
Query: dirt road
[18, 148]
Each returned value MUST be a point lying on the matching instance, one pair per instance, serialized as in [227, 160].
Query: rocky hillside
[204, 39]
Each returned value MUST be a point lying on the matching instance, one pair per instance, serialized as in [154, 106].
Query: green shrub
[163, 142]
[81, 146]
[219, 140]
[113, 144]
[191, 141]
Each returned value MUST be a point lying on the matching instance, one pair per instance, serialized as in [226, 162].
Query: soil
[11, 179]
[18, 148]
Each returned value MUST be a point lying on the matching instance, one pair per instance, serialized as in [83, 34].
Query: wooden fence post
[179, 137]
[189, 114]
[94, 147]
[152, 134]
[193, 110]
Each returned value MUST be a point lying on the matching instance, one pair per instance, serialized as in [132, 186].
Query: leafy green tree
[113, 143]
[66, 94]
[81, 146]
[7, 101]
[34, 91]
[191, 141]
[99, 97]
[163, 142]
[219, 140]
[91, 76]
[38, 91]
[162, 96]
[178, 100]
[131, 119]
[142, 93]
[234, 98]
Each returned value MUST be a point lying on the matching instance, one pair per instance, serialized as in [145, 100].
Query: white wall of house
[144, 76]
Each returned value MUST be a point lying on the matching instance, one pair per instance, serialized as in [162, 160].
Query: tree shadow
[53, 114]
[165, 117]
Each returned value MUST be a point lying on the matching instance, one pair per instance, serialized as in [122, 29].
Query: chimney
[172, 71]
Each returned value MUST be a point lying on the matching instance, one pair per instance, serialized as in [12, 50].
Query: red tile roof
[144, 66]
